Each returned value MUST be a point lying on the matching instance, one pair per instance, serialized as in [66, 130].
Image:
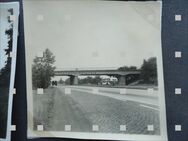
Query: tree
[90, 80]
[126, 68]
[5, 78]
[5, 71]
[149, 71]
[43, 69]
[97, 80]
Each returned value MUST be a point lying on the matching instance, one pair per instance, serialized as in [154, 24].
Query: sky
[3, 40]
[93, 34]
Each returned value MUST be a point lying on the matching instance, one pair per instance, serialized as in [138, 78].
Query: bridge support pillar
[122, 80]
[73, 80]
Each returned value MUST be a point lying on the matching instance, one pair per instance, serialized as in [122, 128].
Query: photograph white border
[103, 136]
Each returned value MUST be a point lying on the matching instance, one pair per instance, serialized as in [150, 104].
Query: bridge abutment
[73, 80]
[122, 80]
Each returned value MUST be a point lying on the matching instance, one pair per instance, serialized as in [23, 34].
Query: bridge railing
[89, 68]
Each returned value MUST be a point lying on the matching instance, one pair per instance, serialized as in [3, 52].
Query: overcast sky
[91, 34]
[3, 38]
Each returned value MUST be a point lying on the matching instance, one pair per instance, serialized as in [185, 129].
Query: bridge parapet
[94, 72]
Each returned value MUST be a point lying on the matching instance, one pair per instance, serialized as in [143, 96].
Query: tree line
[5, 78]
[5, 71]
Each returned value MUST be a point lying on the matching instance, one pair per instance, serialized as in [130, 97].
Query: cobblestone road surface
[55, 109]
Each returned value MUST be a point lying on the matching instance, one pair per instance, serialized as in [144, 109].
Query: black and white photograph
[8, 15]
[94, 70]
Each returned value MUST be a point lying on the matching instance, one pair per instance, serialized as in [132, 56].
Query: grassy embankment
[42, 106]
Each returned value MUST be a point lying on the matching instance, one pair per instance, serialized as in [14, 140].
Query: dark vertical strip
[19, 100]
[175, 38]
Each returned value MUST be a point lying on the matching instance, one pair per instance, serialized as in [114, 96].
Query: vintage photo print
[94, 70]
[8, 46]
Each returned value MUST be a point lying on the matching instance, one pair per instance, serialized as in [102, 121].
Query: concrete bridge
[124, 77]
